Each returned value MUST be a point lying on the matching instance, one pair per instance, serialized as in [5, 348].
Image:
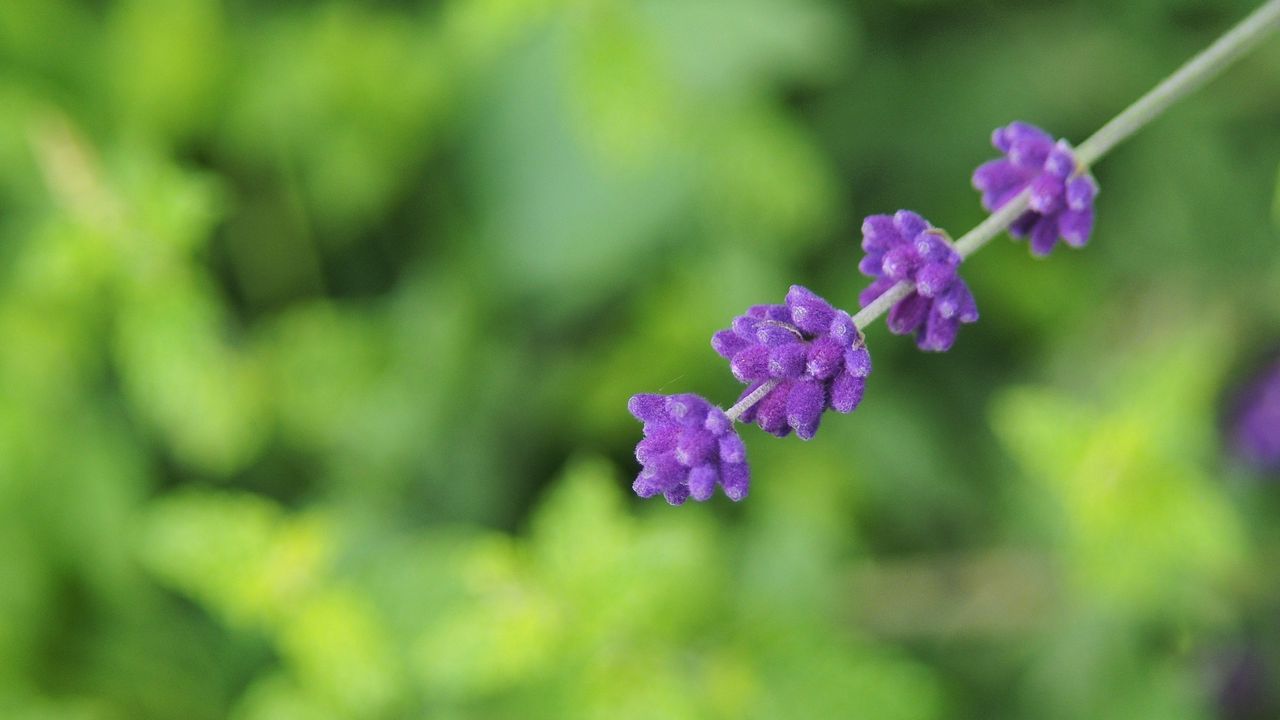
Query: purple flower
[1255, 424]
[1061, 191]
[811, 350]
[689, 447]
[905, 246]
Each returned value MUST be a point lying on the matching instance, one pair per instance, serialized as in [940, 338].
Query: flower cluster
[801, 358]
[812, 353]
[904, 247]
[689, 447]
[1062, 193]
[1255, 426]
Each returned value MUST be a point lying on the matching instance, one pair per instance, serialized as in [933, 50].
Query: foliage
[317, 322]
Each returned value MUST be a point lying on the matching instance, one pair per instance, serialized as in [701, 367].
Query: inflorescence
[805, 356]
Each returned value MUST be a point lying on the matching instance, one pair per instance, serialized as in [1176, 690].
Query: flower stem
[1190, 77]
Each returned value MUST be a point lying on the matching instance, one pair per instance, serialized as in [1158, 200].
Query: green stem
[1190, 77]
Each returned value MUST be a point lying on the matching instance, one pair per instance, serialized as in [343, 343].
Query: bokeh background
[318, 321]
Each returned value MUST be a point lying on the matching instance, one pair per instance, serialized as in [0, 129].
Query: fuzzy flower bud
[905, 246]
[1062, 192]
[805, 346]
[689, 447]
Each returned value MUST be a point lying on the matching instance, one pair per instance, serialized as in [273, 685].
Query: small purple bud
[751, 364]
[1061, 162]
[932, 248]
[1075, 226]
[772, 332]
[647, 407]
[899, 263]
[1081, 190]
[717, 423]
[1046, 194]
[934, 278]
[909, 224]
[857, 362]
[809, 312]
[771, 412]
[787, 361]
[843, 329]
[907, 315]
[677, 495]
[805, 404]
[727, 343]
[744, 326]
[695, 446]
[939, 333]
[702, 482]
[687, 409]
[826, 356]
[846, 392]
[732, 450]
[736, 480]
[774, 312]
[878, 233]
[1044, 235]
[660, 443]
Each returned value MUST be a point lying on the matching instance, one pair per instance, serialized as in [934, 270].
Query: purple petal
[1044, 235]
[998, 176]
[787, 361]
[843, 329]
[1018, 131]
[939, 333]
[826, 357]
[899, 263]
[809, 312]
[736, 480]
[907, 314]
[775, 312]
[732, 449]
[909, 224]
[654, 445]
[644, 485]
[846, 392]
[677, 495]
[744, 326]
[1061, 161]
[695, 446]
[933, 279]
[1075, 226]
[771, 412]
[717, 423]
[751, 364]
[773, 333]
[688, 409]
[1081, 190]
[857, 362]
[872, 263]
[648, 407]
[702, 482]
[879, 234]
[805, 403]
[1046, 194]
[930, 247]
[727, 343]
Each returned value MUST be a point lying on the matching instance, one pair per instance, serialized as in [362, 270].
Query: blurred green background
[318, 320]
